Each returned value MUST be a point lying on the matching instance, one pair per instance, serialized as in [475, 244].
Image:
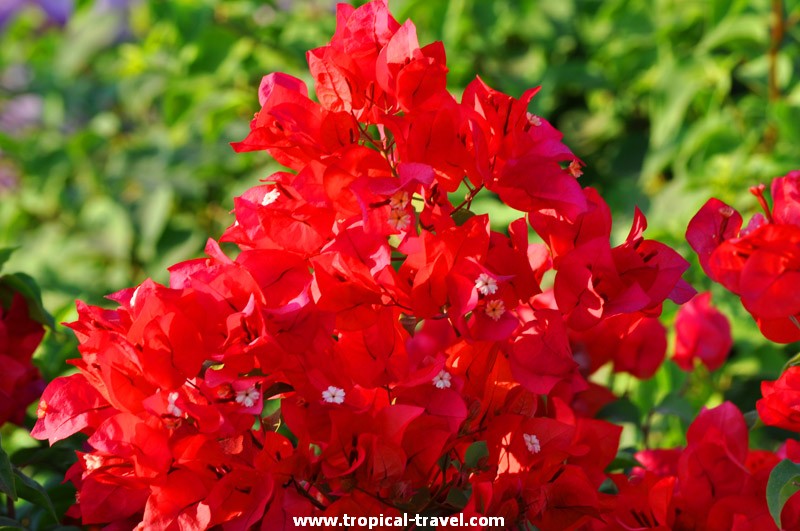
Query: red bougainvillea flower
[703, 333]
[780, 402]
[20, 381]
[595, 281]
[760, 263]
[636, 344]
[373, 347]
[714, 483]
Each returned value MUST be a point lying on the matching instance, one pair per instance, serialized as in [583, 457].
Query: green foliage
[476, 451]
[126, 169]
[6, 474]
[784, 481]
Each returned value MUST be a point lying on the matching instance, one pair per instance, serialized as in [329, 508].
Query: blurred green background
[115, 119]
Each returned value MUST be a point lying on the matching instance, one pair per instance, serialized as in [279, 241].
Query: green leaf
[461, 216]
[458, 498]
[747, 28]
[6, 474]
[5, 254]
[783, 482]
[56, 458]
[30, 490]
[625, 460]
[676, 405]
[8, 523]
[622, 410]
[89, 33]
[608, 487]
[475, 453]
[152, 218]
[752, 420]
[27, 287]
[794, 360]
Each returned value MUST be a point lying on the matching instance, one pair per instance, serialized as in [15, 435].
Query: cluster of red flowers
[374, 348]
[20, 381]
[715, 483]
[760, 263]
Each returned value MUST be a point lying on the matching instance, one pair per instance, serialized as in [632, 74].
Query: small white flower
[442, 380]
[172, 409]
[92, 462]
[534, 120]
[399, 218]
[399, 199]
[248, 397]
[532, 443]
[495, 309]
[333, 395]
[270, 197]
[486, 285]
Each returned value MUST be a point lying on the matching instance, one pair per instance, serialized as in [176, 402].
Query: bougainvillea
[702, 333]
[759, 262]
[20, 381]
[714, 483]
[374, 347]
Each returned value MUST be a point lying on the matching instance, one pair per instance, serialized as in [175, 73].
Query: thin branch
[307, 495]
[776, 38]
[468, 199]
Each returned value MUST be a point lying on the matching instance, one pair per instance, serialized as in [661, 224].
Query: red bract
[632, 342]
[595, 281]
[715, 483]
[703, 333]
[20, 381]
[761, 262]
[372, 342]
[780, 405]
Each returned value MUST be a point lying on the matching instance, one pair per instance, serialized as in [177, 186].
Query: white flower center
[172, 409]
[270, 197]
[92, 462]
[248, 397]
[575, 169]
[534, 120]
[442, 380]
[495, 309]
[399, 218]
[532, 443]
[399, 199]
[486, 285]
[333, 395]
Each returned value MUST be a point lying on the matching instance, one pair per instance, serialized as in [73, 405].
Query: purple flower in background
[21, 112]
[56, 11]
[113, 5]
[122, 9]
[9, 177]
